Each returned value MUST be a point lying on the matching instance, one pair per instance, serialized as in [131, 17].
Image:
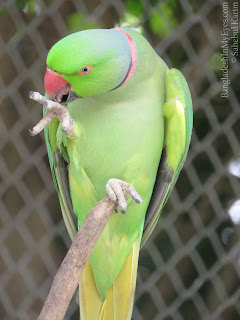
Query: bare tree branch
[68, 276]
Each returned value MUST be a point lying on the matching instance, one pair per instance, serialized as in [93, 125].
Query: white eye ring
[85, 70]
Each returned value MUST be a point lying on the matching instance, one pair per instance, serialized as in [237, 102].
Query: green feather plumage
[119, 134]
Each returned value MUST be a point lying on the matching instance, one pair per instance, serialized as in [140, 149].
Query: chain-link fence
[190, 267]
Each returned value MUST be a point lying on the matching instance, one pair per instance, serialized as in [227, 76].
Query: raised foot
[55, 110]
[115, 189]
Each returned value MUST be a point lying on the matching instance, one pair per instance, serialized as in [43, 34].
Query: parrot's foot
[115, 188]
[55, 110]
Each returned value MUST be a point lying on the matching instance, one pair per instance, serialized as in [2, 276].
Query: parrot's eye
[85, 70]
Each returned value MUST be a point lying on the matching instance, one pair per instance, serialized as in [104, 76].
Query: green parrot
[132, 121]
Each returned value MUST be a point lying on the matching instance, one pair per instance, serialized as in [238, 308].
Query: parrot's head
[88, 63]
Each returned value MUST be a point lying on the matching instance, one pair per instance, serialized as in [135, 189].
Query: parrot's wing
[60, 177]
[178, 114]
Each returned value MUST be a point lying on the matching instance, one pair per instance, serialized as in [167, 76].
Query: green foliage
[159, 24]
[163, 20]
[134, 7]
[215, 61]
[22, 4]
[3, 12]
[133, 21]
[77, 22]
[29, 5]
[134, 10]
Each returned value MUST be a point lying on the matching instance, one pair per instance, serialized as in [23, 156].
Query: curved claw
[32, 133]
[116, 189]
[137, 200]
[65, 129]
[136, 197]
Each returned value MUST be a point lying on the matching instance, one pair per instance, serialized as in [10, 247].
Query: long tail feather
[119, 301]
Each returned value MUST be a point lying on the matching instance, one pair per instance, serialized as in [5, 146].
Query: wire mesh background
[189, 269]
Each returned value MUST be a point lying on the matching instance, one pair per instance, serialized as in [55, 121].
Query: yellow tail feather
[119, 301]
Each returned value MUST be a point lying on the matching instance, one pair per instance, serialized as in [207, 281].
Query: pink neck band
[133, 55]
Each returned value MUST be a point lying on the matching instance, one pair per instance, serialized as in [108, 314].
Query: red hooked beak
[56, 87]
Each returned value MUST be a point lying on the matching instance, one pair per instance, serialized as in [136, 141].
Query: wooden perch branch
[68, 276]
